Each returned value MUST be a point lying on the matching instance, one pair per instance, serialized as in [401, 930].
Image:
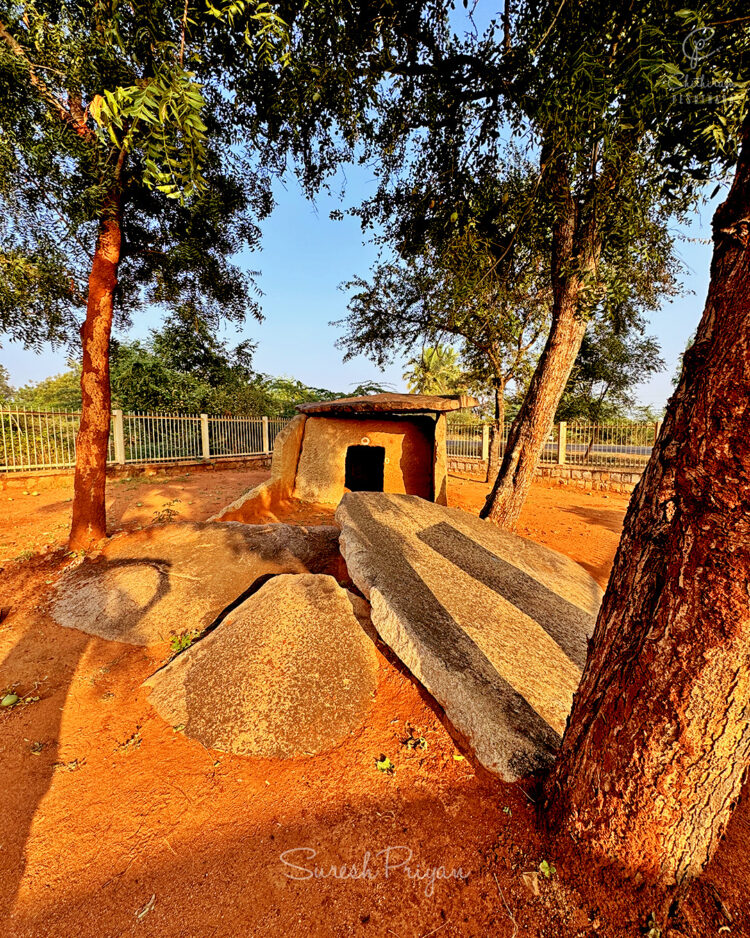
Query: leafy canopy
[436, 370]
[114, 107]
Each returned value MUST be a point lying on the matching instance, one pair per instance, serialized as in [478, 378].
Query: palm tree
[435, 371]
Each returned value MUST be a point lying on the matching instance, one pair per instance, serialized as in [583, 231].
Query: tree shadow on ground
[36, 725]
[609, 518]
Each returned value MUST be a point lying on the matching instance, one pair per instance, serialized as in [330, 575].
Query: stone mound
[170, 578]
[289, 672]
[494, 625]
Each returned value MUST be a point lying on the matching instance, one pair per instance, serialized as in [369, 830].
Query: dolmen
[281, 660]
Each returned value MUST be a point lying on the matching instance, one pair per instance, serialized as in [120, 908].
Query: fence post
[205, 446]
[119, 437]
[266, 437]
[562, 441]
[485, 443]
[657, 428]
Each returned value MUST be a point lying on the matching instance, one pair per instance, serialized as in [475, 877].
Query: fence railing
[47, 439]
[616, 445]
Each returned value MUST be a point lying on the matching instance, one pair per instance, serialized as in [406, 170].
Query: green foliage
[547, 869]
[436, 370]
[282, 395]
[384, 764]
[167, 513]
[60, 392]
[185, 368]
[600, 101]
[678, 371]
[113, 109]
[369, 387]
[6, 391]
[11, 697]
[182, 641]
[610, 363]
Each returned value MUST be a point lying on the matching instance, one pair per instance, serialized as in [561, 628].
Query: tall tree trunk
[574, 257]
[496, 431]
[89, 506]
[530, 429]
[652, 761]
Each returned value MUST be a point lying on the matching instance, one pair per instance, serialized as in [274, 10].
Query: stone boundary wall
[590, 478]
[52, 477]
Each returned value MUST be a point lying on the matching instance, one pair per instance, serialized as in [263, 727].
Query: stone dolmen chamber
[375, 443]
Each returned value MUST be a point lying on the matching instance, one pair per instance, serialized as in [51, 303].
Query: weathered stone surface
[171, 578]
[289, 672]
[494, 625]
[408, 446]
[440, 463]
[279, 487]
[390, 403]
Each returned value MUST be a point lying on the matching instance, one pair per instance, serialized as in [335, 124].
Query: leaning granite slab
[289, 672]
[494, 625]
[171, 578]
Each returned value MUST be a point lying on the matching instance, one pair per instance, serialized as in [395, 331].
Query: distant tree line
[601, 386]
[180, 368]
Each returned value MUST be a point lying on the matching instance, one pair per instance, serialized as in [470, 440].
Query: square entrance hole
[365, 466]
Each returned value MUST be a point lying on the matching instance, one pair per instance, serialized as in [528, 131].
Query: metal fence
[157, 437]
[46, 439]
[615, 445]
[33, 439]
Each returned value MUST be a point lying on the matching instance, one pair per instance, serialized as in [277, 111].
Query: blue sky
[304, 258]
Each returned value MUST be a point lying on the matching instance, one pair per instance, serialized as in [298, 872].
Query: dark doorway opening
[365, 466]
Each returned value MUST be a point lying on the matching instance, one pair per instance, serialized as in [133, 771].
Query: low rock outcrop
[171, 578]
[289, 672]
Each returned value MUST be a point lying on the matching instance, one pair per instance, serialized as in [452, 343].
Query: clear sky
[305, 256]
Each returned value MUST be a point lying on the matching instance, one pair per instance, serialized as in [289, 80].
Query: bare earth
[113, 824]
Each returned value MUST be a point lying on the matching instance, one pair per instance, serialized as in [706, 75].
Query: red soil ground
[112, 823]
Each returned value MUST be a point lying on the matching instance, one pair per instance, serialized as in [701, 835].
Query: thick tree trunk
[652, 761]
[89, 507]
[496, 432]
[529, 431]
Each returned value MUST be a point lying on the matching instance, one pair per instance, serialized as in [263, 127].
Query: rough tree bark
[531, 427]
[653, 758]
[89, 508]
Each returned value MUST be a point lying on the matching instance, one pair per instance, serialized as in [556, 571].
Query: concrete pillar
[205, 445]
[485, 442]
[119, 437]
[562, 441]
[266, 436]
[440, 462]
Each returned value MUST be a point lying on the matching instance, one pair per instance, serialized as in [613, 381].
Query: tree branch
[79, 126]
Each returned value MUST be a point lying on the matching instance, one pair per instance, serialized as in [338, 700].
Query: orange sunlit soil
[112, 823]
